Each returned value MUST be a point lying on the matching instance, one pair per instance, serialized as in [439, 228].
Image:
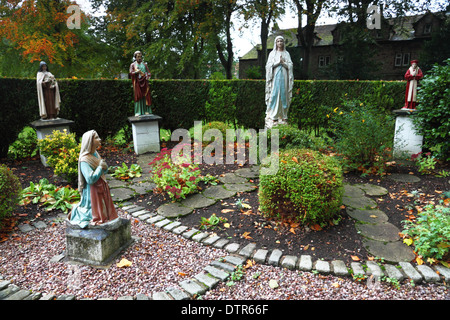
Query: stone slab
[174, 210]
[393, 272]
[193, 287]
[339, 268]
[359, 202]
[260, 255]
[122, 194]
[357, 269]
[232, 178]
[274, 257]
[289, 262]
[252, 172]
[216, 272]
[374, 269]
[391, 251]
[218, 192]
[368, 216]
[197, 201]
[410, 272]
[305, 263]
[428, 274]
[207, 279]
[381, 231]
[353, 191]
[322, 266]
[247, 250]
[373, 190]
[241, 187]
[406, 178]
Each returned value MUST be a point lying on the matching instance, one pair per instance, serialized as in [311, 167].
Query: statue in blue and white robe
[279, 84]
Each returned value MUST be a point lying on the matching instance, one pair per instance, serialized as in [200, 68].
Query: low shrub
[308, 187]
[364, 137]
[10, 191]
[430, 232]
[62, 151]
[25, 145]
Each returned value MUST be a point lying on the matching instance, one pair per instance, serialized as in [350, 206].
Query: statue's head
[43, 66]
[279, 43]
[137, 56]
[414, 63]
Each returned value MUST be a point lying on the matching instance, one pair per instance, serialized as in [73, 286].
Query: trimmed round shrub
[10, 191]
[307, 188]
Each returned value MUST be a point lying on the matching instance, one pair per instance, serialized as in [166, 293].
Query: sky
[245, 40]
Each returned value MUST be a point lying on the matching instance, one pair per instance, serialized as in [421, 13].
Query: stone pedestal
[406, 140]
[97, 245]
[145, 133]
[45, 128]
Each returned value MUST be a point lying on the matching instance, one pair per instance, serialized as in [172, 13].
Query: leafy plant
[211, 222]
[433, 112]
[25, 146]
[61, 150]
[125, 173]
[241, 205]
[10, 190]
[50, 196]
[430, 232]
[425, 162]
[236, 275]
[176, 179]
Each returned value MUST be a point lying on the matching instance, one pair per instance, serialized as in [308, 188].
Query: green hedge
[105, 105]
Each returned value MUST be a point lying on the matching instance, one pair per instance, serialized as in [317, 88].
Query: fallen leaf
[292, 230]
[295, 159]
[408, 241]
[124, 263]
[373, 216]
[226, 225]
[182, 274]
[227, 210]
[336, 285]
[355, 258]
[316, 227]
[419, 260]
[245, 235]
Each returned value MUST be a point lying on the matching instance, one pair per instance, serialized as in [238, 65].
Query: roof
[403, 29]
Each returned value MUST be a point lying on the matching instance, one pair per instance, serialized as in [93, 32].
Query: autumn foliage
[38, 29]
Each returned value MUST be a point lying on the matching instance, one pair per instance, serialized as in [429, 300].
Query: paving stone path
[380, 238]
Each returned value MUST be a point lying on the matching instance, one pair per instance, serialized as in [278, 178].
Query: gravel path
[161, 259]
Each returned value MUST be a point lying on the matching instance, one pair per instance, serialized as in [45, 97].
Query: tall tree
[266, 11]
[305, 35]
[35, 30]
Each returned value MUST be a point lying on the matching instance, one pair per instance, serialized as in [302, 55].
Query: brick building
[397, 43]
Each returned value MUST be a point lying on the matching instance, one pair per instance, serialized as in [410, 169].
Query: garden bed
[340, 241]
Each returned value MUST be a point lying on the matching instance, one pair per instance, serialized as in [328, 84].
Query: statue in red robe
[139, 75]
[412, 76]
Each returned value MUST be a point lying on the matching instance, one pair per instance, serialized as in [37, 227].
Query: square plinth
[97, 245]
[145, 133]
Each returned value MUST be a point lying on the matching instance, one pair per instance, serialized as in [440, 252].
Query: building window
[324, 61]
[402, 59]
[427, 28]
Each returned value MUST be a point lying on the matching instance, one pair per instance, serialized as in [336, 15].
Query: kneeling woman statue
[96, 205]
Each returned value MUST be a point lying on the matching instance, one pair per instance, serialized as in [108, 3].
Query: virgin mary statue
[279, 84]
[96, 205]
